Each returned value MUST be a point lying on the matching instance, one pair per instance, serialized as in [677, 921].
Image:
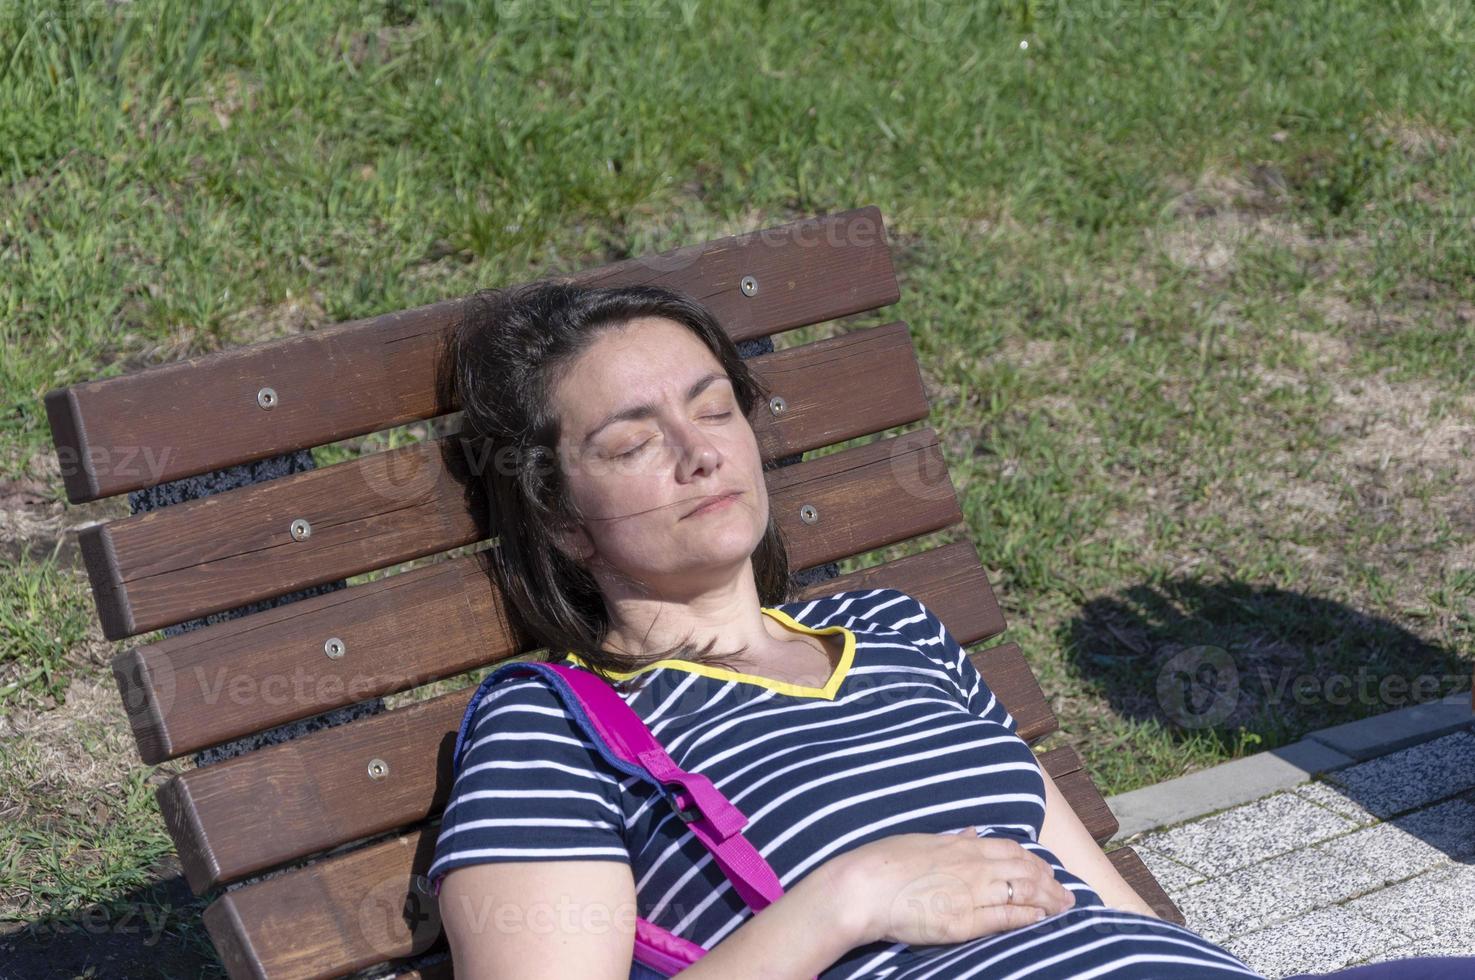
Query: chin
[720, 551]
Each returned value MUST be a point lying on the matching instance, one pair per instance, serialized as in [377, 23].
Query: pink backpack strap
[712, 818]
[624, 741]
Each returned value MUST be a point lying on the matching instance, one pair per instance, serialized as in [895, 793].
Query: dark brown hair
[505, 359]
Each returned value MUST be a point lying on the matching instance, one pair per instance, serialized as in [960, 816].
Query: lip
[714, 503]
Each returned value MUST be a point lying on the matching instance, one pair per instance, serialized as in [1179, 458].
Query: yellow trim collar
[847, 657]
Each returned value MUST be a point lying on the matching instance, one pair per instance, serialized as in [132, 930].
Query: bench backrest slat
[202, 414]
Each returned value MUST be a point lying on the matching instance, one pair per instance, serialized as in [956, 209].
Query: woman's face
[651, 429]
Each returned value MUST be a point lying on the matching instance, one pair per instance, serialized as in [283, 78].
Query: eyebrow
[646, 410]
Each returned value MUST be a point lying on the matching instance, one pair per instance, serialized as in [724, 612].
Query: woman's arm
[1066, 837]
[525, 920]
[795, 938]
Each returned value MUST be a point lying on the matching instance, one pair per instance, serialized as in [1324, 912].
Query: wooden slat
[863, 498]
[319, 793]
[1065, 766]
[1129, 865]
[240, 676]
[1008, 675]
[317, 789]
[222, 551]
[949, 579]
[337, 915]
[311, 922]
[175, 420]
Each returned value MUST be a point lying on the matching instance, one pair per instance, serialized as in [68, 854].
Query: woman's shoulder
[524, 690]
[864, 610]
[525, 708]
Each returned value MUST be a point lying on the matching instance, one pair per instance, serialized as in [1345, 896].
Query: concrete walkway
[1368, 861]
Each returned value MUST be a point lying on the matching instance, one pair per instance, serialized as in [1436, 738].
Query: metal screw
[777, 405]
[809, 514]
[378, 769]
[334, 648]
[301, 530]
[749, 286]
[266, 397]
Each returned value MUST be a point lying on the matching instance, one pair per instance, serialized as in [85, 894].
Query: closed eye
[632, 452]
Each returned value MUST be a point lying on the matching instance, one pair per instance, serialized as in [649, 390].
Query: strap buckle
[689, 813]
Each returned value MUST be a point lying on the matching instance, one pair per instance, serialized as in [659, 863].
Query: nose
[697, 454]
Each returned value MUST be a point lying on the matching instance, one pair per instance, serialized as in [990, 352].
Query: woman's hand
[924, 889]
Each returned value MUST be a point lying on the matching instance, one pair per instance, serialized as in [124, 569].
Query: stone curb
[1243, 780]
[1394, 730]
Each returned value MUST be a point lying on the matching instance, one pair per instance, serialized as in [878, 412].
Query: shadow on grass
[150, 932]
[1230, 661]
[1225, 660]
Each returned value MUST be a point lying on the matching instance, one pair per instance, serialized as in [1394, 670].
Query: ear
[573, 541]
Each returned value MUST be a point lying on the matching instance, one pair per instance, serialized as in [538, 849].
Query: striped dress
[904, 738]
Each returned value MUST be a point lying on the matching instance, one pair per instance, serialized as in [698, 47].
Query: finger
[1027, 892]
[1040, 862]
[1001, 848]
[1047, 895]
[1053, 891]
[1015, 869]
[1046, 873]
[1046, 876]
[1001, 918]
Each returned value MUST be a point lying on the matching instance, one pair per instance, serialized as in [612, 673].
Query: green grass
[1191, 284]
[44, 613]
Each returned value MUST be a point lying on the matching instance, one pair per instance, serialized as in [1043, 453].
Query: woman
[911, 828]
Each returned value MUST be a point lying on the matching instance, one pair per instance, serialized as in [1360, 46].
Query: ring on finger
[1010, 885]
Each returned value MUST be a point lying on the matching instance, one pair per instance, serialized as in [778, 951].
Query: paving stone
[1208, 909]
[1413, 843]
[1458, 943]
[1387, 851]
[1174, 877]
[1435, 904]
[1334, 799]
[1412, 777]
[1246, 834]
[1317, 942]
[1272, 891]
[1449, 826]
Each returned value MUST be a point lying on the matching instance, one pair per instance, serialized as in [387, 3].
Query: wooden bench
[346, 817]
